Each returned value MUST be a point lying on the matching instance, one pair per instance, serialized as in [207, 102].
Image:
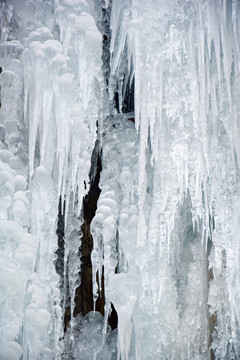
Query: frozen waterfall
[119, 179]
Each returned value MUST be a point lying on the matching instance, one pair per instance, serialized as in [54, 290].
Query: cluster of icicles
[166, 229]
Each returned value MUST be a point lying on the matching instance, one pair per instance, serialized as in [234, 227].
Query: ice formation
[150, 89]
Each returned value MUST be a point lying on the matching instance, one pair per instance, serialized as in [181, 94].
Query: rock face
[59, 264]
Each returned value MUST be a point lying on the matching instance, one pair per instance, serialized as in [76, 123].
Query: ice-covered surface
[114, 227]
[52, 92]
[166, 229]
[87, 339]
[184, 58]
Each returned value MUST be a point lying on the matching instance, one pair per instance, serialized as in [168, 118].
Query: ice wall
[52, 93]
[177, 291]
[166, 229]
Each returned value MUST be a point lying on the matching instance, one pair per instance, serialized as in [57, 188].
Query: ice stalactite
[64, 115]
[52, 93]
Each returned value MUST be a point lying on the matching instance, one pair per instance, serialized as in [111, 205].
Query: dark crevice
[113, 318]
[67, 313]
[127, 104]
[84, 295]
[59, 265]
[212, 318]
[106, 42]
[116, 101]
[128, 100]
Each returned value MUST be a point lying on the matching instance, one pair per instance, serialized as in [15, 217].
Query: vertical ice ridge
[117, 212]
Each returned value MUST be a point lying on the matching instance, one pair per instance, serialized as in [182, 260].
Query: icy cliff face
[162, 100]
[184, 59]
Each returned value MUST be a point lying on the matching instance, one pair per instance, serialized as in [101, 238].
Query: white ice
[166, 228]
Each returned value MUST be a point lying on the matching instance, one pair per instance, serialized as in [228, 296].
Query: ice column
[18, 248]
[114, 227]
[64, 93]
